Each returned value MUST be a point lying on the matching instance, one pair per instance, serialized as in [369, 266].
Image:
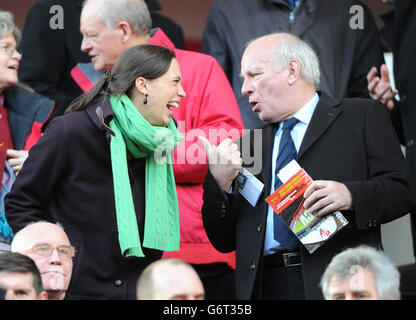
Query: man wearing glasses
[48, 245]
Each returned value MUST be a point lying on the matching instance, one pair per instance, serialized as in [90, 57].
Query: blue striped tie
[287, 152]
[292, 4]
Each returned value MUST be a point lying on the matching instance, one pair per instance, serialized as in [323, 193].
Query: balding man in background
[48, 245]
[170, 279]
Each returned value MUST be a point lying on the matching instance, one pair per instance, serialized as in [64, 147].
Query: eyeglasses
[8, 48]
[46, 249]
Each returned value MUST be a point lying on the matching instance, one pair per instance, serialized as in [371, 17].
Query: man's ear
[126, 31]
[294, 71]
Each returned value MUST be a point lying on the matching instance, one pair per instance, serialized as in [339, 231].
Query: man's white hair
[134, 12]
[291, 47]
[386, 276]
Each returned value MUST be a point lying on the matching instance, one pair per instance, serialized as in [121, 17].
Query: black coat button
[118, 283]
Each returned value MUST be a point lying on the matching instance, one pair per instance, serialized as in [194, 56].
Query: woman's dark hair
[147, 61]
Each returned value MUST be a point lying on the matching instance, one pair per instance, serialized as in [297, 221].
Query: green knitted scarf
[161, 229]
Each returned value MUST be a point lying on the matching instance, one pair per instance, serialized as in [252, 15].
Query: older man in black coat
[347, 146]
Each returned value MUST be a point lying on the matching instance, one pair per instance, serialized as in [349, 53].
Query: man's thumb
[384, 71]
[206, 144]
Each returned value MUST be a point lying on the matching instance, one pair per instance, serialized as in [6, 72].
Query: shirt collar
[305, 113]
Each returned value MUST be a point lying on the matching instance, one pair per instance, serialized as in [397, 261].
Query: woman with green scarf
[104, 171]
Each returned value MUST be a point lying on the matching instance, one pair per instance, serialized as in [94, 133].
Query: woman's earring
[145, 99]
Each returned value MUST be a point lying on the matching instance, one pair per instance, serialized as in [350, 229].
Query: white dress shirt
[304, 115]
